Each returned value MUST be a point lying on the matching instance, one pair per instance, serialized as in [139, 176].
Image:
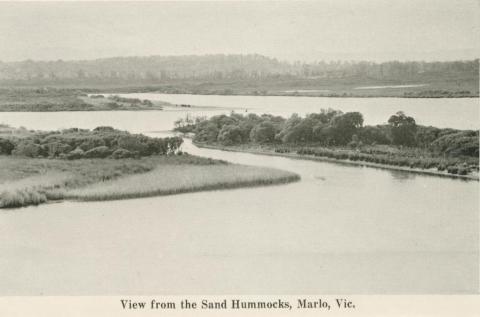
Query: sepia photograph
[242, 148]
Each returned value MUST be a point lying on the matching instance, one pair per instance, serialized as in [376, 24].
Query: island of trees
[336, 135]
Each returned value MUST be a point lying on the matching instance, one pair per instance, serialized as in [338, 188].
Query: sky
[374, 30]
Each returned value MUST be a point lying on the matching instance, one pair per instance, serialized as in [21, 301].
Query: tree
[230, 134]
[403, 129]
[325, 116]
[323, 133]
[206, 131]
[184, 125]
[374, 135]
[289, 133]
[345, 126]
[263, 133]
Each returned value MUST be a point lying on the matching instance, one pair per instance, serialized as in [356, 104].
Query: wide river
[341, 229]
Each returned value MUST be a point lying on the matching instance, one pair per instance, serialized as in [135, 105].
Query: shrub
[6, 146]
[78, 153]
[104, 129]
[134, 143]
[458, 143]
[452, 169]
[98, 152]
[57, 148]
[27, 148]
[91, 142]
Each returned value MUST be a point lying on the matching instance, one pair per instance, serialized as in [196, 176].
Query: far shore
[333, 96]
[431, 172]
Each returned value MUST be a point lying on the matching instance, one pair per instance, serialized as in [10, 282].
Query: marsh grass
[175, 179]
[27, 181]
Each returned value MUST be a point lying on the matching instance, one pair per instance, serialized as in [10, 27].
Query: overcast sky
[367, 30]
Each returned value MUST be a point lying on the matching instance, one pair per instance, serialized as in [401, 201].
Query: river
[341, 229]
[458, 113]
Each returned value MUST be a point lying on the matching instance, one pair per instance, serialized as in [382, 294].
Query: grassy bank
[27, 181]
[175, 179]
[341, 159]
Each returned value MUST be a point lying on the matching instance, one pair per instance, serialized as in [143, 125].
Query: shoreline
[338, 161]
[302, 95]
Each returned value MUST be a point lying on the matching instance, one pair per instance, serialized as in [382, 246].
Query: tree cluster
[101, 142]
[329, 128]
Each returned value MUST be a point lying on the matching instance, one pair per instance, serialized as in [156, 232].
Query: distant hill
[247, 74]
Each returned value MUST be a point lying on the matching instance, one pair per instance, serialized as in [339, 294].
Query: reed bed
[175, 179]
[27, 181]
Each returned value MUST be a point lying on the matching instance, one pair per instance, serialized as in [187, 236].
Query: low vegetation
[337, 135]
[114, 102]
[60, 99]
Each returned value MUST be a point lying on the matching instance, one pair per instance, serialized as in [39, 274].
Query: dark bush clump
[76, 154]
[6, 146]
[80, 143]
[122, 153]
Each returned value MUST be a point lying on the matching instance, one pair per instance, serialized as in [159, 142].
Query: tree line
[221, 67]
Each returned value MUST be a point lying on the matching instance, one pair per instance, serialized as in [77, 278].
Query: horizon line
[304, 61]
